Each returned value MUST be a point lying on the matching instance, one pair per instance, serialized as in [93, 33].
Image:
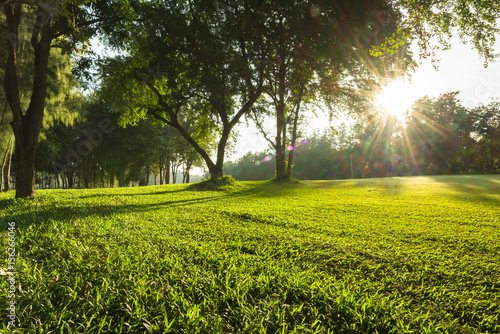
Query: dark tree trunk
[69, 177]
[85, 175]
[186, 172]
[161, 169]
[147, 175]
[25, 172]
[94, 166]
[80, 176]
[5, 172]
[294, 133]
[281, 124]
[26, 126]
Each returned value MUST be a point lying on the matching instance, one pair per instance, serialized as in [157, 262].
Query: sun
[397, 97]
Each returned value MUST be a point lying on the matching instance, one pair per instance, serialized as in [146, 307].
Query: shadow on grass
[25, 216]
[5, 203]
[480, 188]
[134, 192]
[67, 213]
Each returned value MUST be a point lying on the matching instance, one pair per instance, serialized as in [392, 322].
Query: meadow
[388, 255]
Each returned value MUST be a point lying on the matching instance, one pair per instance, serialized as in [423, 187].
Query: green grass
[391, 255]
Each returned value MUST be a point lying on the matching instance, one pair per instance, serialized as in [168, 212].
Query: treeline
[98, 153]
[439, 136]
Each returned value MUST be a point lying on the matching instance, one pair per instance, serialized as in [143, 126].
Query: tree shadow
[479, 188]
[134, 193]
[48, 212]
[386, 186]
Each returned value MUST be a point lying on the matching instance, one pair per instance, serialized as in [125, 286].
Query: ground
[389, 255]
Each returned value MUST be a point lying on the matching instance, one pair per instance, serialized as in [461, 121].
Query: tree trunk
[294, 133]
[161, 169]
[94, 166]
[167, 170]
[281, 124]
[69, 177]
[79, 176]
[25, 171]
[85, 175]
[174, 167]
[147, 175]
[186, 171]
[3, 167]
[5, 172]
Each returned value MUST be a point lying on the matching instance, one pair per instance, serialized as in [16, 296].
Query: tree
[51, 25]
[195, 66]
[321, 50]
[486, 129]
[437, 133]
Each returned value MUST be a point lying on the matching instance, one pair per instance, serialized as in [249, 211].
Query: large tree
[50, 25]
[196, 66]
[318, 51]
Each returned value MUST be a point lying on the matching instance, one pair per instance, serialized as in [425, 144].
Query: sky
[460, 69]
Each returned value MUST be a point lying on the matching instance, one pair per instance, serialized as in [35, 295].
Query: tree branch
[261, 130]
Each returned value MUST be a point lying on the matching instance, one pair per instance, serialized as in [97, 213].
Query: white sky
[460, 69]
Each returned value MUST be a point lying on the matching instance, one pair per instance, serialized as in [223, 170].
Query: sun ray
[397, 98]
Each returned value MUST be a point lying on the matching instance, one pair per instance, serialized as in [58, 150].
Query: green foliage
[191, 65]
[395, 255]
[63, 101]
[425, 21]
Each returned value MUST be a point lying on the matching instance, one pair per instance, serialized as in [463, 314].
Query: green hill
[388, 255]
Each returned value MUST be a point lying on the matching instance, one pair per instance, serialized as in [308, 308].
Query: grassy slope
[365, 256]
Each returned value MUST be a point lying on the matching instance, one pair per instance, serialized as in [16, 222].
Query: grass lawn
[389, 255]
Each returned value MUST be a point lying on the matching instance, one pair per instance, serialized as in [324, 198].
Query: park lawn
[388, 255]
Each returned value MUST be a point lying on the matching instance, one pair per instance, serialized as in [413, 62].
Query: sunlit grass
[391, 255]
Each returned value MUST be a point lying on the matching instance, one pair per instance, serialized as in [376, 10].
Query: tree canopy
[433, 23]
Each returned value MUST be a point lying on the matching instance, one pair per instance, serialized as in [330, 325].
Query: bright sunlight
[397, 97]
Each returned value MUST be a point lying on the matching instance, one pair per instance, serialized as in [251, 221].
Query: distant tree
[486, 130]
[316, 160]
[436, 134]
